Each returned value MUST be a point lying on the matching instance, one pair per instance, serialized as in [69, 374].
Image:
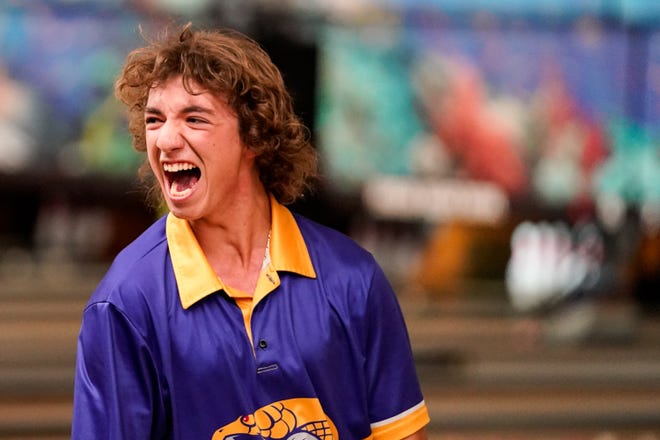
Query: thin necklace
[266, 261]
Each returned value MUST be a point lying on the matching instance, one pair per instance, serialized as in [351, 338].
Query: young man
[231, 317]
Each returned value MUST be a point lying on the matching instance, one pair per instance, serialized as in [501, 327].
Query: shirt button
[263, 344]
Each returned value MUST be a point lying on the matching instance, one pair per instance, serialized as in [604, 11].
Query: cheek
[150, 142]
[152, 157]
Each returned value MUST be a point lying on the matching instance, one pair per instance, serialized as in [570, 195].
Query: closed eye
[152, 115]
[195, 120]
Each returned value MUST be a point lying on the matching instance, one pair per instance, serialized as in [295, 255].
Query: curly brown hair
[230, 64]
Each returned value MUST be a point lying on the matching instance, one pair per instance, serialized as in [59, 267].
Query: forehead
[174, 89]
[175, 84]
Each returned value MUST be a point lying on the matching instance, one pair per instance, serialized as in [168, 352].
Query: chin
[180, 211]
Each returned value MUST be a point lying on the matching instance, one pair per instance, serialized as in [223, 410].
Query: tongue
[184, 181]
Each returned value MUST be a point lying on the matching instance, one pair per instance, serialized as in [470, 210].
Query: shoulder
[151, 239]
[136, 267]
[346, 271]
[326, 245]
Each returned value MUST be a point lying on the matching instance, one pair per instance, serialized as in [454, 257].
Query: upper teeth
[174, 167]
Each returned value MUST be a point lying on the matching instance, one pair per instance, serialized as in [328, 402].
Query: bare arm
[419, 435]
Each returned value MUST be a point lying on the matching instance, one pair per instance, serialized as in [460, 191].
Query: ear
[249, 153]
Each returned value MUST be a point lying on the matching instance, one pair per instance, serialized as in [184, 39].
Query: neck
[237, 238]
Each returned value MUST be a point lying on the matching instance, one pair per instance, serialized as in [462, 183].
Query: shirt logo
[292, 419]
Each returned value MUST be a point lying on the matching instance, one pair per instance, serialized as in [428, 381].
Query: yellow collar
[194, 275]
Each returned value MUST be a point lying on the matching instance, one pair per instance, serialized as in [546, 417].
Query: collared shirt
[165, 352]
[196, 278]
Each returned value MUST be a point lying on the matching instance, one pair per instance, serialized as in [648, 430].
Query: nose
[169, 137]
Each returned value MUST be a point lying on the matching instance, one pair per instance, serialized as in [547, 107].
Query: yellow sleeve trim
[402, 425]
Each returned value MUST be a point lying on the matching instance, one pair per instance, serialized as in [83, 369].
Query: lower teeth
[175, 192]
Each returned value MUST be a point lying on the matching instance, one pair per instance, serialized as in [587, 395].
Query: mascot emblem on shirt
[293, 419]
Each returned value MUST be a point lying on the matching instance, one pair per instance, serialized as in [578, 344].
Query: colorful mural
[557, 99]
[64, 60]
[552, 111]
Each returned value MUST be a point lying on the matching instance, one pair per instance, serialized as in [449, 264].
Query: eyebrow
[186, 110]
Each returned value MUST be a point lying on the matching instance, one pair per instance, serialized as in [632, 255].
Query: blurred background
[500, 158]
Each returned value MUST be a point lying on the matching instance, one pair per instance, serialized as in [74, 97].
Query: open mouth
[181, 177]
